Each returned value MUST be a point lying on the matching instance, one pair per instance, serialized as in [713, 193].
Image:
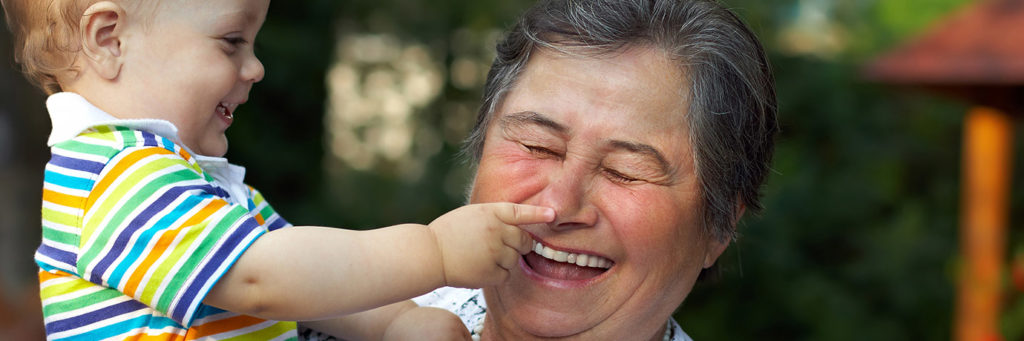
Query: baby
[149, 233]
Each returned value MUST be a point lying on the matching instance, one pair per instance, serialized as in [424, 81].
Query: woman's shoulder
[677, 331]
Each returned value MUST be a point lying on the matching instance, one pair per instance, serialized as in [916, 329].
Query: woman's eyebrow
[534, 118]
[647, 151]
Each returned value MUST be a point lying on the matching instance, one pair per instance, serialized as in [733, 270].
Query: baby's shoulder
[113, 149]
[107, 141]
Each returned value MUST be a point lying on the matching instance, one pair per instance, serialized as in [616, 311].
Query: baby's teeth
[561, 256]
[593, 262]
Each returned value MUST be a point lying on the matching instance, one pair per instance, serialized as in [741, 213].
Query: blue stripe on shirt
[57, 254]
[93, 316]
[76, 164]
[148, 321]
[148, 139]
[68, 181]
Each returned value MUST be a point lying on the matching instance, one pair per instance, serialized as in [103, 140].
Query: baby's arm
[471, 246]
[400, 321]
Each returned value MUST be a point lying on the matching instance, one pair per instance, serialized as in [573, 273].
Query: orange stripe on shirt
[46, 275]
[118, 170]
[221, 326]
[132, 285]
[63, 199]
[185, 155]
[156, 337]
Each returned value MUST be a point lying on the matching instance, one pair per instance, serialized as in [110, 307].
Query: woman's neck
[489, 330]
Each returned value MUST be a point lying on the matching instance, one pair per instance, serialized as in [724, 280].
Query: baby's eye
[234, 41]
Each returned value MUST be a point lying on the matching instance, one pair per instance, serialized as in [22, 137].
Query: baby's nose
[252, 70]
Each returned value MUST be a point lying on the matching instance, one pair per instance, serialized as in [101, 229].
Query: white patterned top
[470, 306]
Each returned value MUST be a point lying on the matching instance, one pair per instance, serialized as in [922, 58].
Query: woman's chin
[549, 323]
[544, 303]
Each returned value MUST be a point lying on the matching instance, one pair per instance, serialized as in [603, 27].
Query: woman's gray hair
[732, 113]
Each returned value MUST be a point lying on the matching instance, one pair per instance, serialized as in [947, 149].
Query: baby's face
[193, 65]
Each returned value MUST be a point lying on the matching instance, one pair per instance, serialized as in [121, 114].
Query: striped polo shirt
[137, 230]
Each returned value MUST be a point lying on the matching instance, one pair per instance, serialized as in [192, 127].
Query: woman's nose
[568, 193]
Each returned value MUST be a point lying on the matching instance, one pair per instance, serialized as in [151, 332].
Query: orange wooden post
[988, 136]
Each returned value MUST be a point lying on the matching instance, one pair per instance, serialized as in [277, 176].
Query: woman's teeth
[571, 258]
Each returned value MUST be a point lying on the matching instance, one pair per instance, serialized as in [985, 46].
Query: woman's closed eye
[542, 151]
[619, 177]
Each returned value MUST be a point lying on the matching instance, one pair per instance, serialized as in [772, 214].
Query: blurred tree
[293, 162]
[858, 240]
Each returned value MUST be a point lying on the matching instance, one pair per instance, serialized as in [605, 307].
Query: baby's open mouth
[565, 265]
[225, 111]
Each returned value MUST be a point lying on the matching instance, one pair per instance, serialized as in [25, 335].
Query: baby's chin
[218, 152]
[211, 148]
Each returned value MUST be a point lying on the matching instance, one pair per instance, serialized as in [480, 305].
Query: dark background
[359, 118]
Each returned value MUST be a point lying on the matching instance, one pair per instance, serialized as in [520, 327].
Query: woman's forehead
[635, 93]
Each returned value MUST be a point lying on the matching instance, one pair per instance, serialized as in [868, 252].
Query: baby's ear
[101, 28]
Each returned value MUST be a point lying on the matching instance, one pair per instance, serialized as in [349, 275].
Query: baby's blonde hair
[46, 37]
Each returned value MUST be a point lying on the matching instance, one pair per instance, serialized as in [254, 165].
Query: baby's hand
[480, 243]
[425, 323]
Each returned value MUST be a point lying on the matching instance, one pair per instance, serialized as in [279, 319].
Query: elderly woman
[648, 126]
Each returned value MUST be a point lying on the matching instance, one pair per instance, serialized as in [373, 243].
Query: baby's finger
[508, 259]
[519, 214]
[516, 238]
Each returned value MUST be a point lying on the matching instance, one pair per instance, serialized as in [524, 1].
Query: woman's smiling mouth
[562, 265]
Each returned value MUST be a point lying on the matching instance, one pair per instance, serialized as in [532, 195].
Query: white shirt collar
[71, 114]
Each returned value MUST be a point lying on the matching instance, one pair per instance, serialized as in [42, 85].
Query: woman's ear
[101, 28]
[714, 250]
[716, 246]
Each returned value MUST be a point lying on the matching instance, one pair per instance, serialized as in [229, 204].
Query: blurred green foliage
[859, 236]
[297, 46]
[859, 230]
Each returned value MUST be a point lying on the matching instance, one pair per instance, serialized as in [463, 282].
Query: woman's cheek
[511, 174]
[644, 212]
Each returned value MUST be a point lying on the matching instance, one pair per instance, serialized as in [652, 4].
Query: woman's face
[604, 142]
